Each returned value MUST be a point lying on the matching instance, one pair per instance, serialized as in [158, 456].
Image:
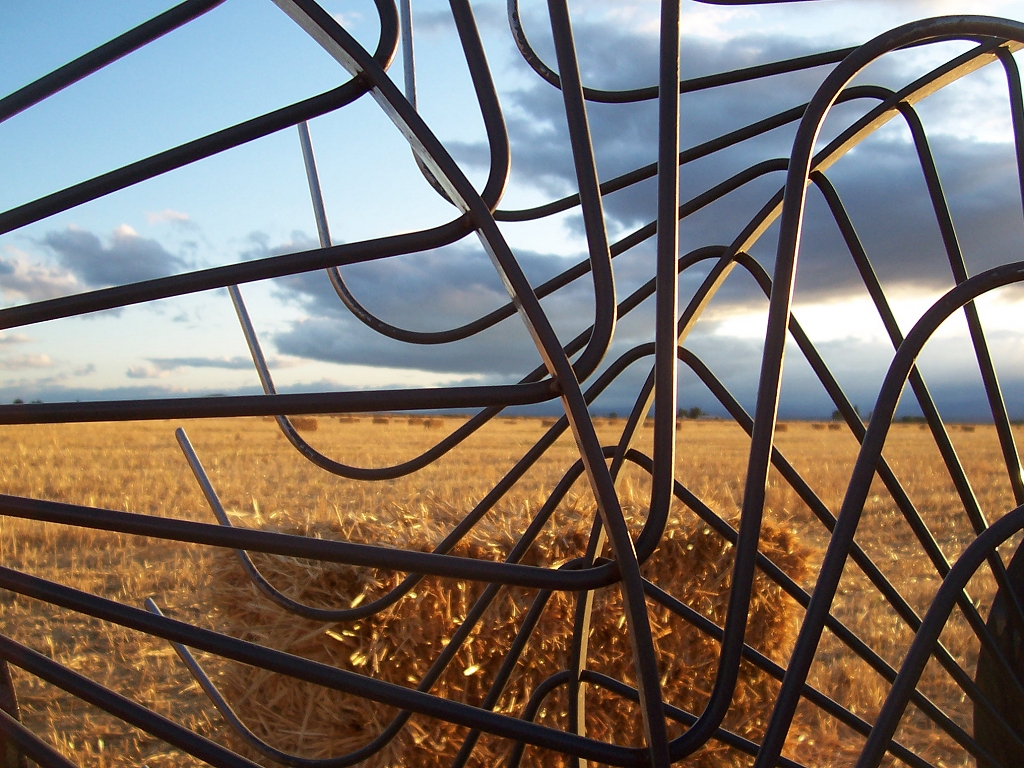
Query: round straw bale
[399, 644]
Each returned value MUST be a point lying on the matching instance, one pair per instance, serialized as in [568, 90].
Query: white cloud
[167, 215]
[145, 372]
[21, 279]
[22, 362]
[347, 19]
[127, 258]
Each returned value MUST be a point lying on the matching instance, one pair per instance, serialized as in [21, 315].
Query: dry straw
[399, 644]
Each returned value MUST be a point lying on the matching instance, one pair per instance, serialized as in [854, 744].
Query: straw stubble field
[263, 482]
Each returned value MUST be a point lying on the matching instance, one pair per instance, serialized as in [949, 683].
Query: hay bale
[548, 422]
[433, 423]
[834, 427]
[818, 426]
[400, 643]
[305, 423]
[782, 427]
[378, 419]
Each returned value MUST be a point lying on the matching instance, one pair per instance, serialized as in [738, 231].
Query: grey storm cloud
[126, 258]
[881, 181]
[449, 285]
[430, 291]
[226, 363]
[494, 353]
[159, 367]
[19, 278]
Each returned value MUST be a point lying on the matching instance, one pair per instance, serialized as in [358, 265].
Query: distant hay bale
[835, 427]
[400, 643]
[305, 423]
[378, 419]
[433, 423]
[347, 419]
[415, 421]
[649, 423]
[781, 427]
[548, 422]
[966, 427]
[818, 426]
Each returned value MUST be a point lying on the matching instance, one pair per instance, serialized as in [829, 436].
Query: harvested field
[263, 482]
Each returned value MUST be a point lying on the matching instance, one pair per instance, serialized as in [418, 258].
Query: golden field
[263, 482]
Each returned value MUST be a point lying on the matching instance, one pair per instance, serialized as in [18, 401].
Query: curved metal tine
[238, 725]
[18, 742]
[408, 54]
[603, 329]
[262, 369]
[192, 151]
[222, 705]
[257, 578]
[729, 738]
[954, 254]
[940, 434]
[548, 345]
[320, 211]
[11, 754]
[770, 379]
[816, 697]
[948, 452]
[497, 177]
[843, 633]
[917, 657]
[724, 529]
[886, 589]
[891, 482]
[580, 269]
[461, 634]
[409, 73]
[87, 690]
[744, 74]
[550, 684]
[544, 689]
[100, 57]
[319, 459]
[904, 610]
[859, 487]
[497, 138]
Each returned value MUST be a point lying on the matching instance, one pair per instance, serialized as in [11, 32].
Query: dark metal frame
[572, 374]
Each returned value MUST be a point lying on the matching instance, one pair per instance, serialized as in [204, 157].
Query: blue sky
[245, 58]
